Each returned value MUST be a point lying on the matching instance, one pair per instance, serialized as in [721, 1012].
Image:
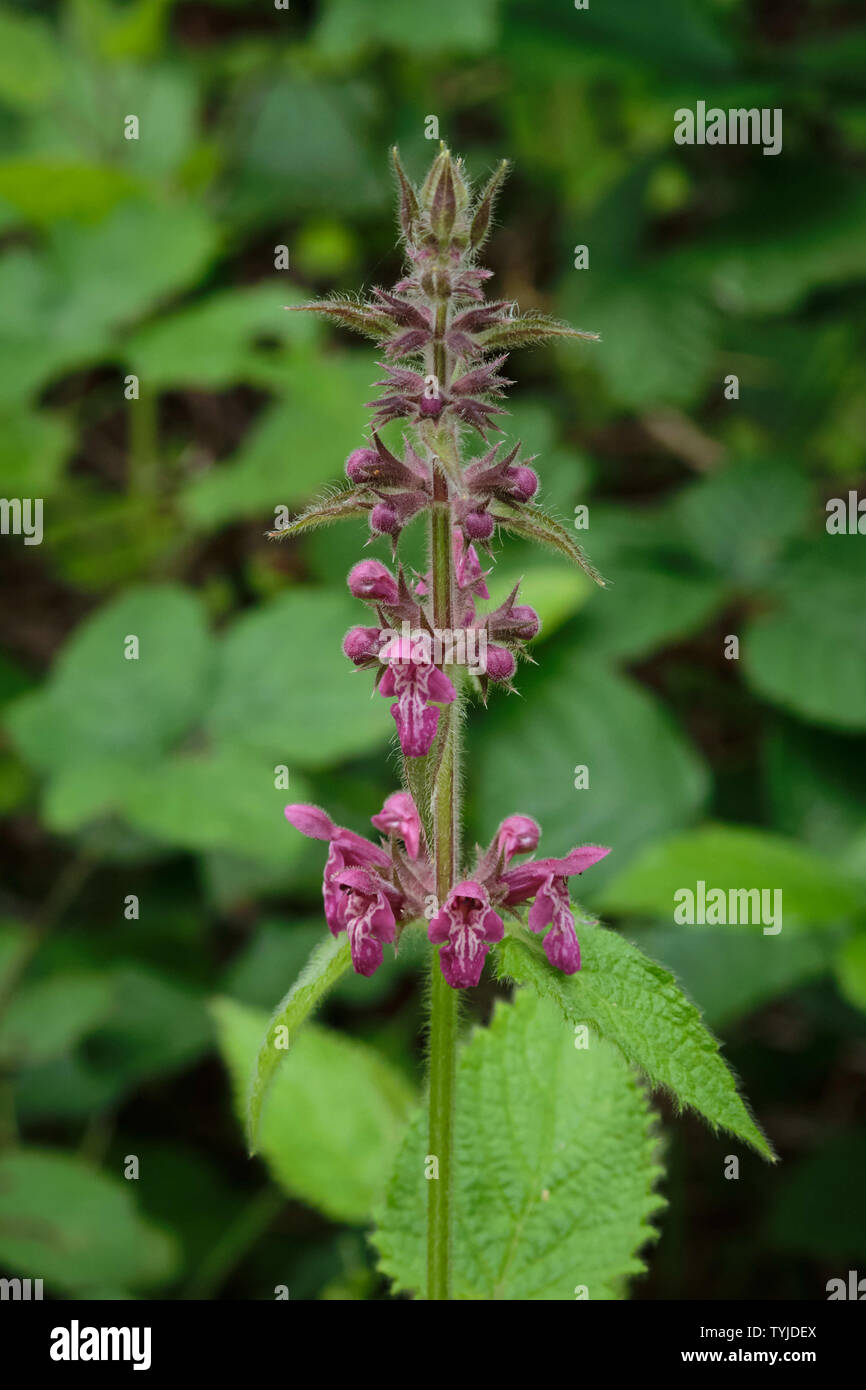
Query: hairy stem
[443, 999]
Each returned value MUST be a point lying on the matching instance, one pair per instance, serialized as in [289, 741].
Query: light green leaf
[67, 1223]
[638, 1005]
[554, 1168]
[740, 517]
[329, 961]
[287, 456]
[157, 1027]
[656, 591]
[657, 334]
[45, 1019]
[33, 448]
[211, 344]
[334, 1117]
[31, 64]
[97, 701]
[348, 28]
[306, 134]
[220, 799]
[165, 100]
[807, 652]
[170, 244]
[648, 603]
[815, 892]
[283, 686]
[45, 190]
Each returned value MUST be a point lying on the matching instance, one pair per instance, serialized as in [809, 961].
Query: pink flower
[517, 835]
[357, 898]
[465, 926]
[367, 916]
[399, 817]
[372, 581]
[415, 681]
[546, 880]
[467, 567]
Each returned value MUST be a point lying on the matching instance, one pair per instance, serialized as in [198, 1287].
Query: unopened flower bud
[358, 463]
[500, 663]
[517, 835]
[526, 620]
[370, 579]
[430, 405]
[523, 483]
[361, 645]
[478, 526]
[384, 519]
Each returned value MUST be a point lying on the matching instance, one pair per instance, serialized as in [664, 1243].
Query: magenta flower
[467, 567]
[363, 890]
[415, 681]
[399, 817]
[465, 926]
[370, 580]
[366, 915]
[546, 880]
[517, 835]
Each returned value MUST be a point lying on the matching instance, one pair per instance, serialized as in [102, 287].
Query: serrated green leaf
[554, 1168]
[335, 1114]
[535, 524]
[329, 961]
[528, 330]
[638, 1005]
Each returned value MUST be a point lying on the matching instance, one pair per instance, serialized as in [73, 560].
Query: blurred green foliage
[154, 779]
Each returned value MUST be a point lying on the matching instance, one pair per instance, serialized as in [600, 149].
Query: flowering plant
[430, 649]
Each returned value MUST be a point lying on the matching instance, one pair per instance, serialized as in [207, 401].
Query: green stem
[443, 999]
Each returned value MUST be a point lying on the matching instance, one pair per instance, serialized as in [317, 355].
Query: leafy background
[262, 128]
